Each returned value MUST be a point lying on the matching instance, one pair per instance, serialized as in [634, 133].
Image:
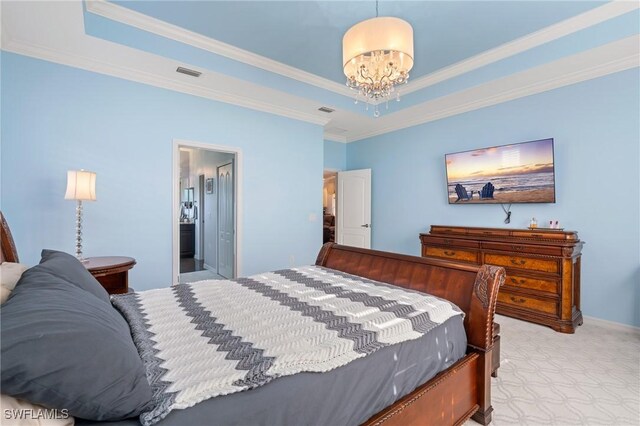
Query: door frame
[233, 170]
[175, 202]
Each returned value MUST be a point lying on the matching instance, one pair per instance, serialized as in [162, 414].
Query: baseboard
[210, 268]
[612, 324]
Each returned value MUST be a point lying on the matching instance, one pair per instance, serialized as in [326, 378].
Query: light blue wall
[335, 155]
[596, 128]
[56, 118]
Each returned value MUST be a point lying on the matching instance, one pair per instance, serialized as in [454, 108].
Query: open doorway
[329, 206]
[205, 241]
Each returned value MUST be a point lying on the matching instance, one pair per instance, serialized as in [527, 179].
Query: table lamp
[81, 186]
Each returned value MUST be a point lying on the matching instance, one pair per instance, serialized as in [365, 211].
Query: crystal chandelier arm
[367, 81]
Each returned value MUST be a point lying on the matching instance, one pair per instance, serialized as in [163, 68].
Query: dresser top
[504, 233]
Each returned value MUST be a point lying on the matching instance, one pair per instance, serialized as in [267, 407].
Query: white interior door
[353, 224]
[225, 220]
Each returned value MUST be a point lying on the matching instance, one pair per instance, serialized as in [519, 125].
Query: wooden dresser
[543, 268]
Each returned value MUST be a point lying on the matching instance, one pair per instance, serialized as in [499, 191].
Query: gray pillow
[67, 267]
[62, 347]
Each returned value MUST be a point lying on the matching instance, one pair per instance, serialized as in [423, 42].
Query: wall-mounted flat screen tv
[518, 173]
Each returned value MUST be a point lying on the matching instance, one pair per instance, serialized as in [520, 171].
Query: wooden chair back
[461, 191]
[487, 191]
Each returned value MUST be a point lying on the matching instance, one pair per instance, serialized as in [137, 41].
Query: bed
[460, 391]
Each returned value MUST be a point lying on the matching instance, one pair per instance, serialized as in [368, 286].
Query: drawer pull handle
[448, 241]
[449, 253]
[513, 280]
[513, 299]
[517, 247]
[518, 262]
[538, 235]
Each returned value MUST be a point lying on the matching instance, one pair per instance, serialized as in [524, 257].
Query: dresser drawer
[521, 262]
[516, 281]
[523, 248]
[489, 232]
[444, 241]
[452, 253]
[528, 303]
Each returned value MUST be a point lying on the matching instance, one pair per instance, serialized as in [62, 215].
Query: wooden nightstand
[111, 271]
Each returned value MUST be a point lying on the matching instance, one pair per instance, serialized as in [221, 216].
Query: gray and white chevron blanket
[213, 338]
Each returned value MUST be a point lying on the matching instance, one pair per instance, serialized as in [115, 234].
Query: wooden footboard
[450, 398]
[464, 389]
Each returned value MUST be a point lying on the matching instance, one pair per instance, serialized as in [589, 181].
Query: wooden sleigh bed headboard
[473, 288]
[464, 389]
[9, 252]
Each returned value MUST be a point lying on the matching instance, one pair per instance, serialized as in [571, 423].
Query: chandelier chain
[376, 8]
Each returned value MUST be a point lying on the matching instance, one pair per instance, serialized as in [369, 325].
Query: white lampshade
[81, 185]
[387, 34]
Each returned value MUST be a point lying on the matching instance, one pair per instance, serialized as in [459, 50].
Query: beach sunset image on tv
[518, 173]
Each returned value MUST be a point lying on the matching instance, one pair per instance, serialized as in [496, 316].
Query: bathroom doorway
[329, 206]
[205, 240]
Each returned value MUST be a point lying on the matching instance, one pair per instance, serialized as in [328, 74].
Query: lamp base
[79, 232]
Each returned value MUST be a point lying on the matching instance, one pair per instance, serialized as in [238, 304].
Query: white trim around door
[175, 202]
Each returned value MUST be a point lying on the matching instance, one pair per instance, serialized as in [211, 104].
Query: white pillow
[18, 412]
[10, 273]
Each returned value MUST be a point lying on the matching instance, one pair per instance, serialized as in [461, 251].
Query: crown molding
[128, 73]
[146, 23]
[56, 34]
[4, 32]
[614, 57]
[335, 137]
[553, 32]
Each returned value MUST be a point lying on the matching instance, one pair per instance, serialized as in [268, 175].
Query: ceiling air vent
[326, 109]
[187, 71]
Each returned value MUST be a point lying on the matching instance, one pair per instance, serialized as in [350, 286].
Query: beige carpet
[591, 377]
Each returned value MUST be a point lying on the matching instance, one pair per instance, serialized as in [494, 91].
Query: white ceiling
[445, 32]
[54, 31]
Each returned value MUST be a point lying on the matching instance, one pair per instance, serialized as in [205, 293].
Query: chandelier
[377, 55]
